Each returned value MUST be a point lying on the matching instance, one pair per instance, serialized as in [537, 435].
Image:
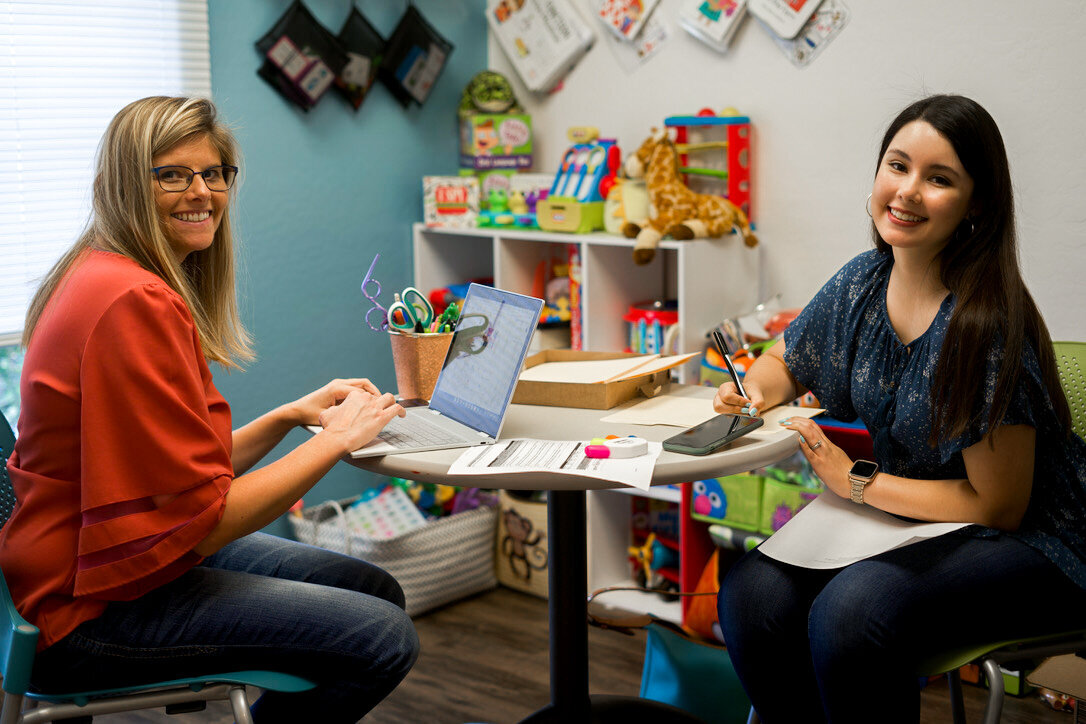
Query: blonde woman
[134, 544]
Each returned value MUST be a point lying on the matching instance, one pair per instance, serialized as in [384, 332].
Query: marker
[722, 347]
[619, 447]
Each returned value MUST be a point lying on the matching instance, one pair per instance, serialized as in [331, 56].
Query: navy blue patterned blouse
[843, 348]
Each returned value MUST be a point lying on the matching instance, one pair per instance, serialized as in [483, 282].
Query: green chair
[1016, 655]
[18, 642]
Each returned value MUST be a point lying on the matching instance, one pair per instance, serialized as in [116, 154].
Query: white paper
[689, 406]
[594, 370]
[559, 456]
[832, 532]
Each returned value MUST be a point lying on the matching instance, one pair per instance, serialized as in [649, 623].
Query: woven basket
[442, 561]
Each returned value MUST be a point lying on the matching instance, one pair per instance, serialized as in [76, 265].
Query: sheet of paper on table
[559, 456]
[832, 532]
[689, 406]
[602, 370]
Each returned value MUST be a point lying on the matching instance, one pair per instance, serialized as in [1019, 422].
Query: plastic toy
[575, 200]
[677, 211]
[627, 200]
[500, 213]
[714, 153]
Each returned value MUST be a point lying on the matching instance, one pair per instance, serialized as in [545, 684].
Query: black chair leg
[957, 703]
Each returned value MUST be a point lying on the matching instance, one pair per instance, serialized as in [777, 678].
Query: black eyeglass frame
[193, 173]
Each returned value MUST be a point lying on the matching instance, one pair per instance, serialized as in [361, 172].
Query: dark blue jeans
[262, 602]
[845, 645]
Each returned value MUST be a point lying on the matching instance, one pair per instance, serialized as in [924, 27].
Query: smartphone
[712, 434]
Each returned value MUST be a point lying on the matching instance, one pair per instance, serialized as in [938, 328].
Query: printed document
[832, 532]
[535, 456]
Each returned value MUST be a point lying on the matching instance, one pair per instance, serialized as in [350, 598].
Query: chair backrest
[7, 494]
[1071, 363]
[18, 639]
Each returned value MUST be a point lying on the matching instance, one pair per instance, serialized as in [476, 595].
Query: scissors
[411, 312]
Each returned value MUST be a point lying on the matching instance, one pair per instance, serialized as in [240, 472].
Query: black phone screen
[714, 432]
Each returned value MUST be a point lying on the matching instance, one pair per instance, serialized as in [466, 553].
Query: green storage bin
[780, 502]
[734, 500]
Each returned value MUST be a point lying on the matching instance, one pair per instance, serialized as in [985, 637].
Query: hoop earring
[868, 207]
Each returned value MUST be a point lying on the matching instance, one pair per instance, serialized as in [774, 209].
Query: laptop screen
[485, 357]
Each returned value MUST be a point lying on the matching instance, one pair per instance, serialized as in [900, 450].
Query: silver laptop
[477, 379]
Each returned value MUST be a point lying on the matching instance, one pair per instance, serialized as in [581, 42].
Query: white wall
[817, 129]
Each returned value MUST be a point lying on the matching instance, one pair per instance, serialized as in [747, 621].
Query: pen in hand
[722, 347]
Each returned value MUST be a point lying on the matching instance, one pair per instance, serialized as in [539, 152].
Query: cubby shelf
[709, 278]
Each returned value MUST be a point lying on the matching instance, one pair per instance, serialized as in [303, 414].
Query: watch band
[858, 485]
[859, 482]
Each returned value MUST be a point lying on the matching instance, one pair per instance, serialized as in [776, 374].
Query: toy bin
[522, 551]
[653, 327]
[735, 500]
[780, 502]
[442, 561]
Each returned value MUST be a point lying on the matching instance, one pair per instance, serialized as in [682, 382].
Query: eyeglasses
[176, 179]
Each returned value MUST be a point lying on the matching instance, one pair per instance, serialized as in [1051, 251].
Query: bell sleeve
[819, 344]
[155, 458]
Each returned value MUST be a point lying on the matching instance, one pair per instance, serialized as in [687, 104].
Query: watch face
[863, 469]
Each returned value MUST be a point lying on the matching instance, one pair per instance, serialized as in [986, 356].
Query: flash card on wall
[784, 17]
[414, 58]
[824, 25]
[301, 58]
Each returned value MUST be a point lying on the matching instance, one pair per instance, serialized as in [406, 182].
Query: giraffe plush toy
[675, 210]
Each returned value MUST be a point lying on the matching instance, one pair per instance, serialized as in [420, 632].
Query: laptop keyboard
[418, 433]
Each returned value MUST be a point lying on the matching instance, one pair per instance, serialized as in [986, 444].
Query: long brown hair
[979, 265]
[125, 221]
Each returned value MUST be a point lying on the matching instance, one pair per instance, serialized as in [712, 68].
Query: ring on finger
[817, 444]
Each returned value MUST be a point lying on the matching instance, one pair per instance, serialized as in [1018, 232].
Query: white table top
[567, 423]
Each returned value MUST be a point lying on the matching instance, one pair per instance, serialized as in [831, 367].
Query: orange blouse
[122, 463]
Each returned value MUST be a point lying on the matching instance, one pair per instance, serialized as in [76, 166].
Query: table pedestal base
[603, 709]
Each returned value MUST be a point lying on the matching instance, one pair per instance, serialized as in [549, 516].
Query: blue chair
[18, 642]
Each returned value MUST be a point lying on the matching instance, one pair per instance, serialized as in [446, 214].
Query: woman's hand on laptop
[359, 417]
[307, 410]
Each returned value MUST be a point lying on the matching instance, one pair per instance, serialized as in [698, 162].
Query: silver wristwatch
[861, 474]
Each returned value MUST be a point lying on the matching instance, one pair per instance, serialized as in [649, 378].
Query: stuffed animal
[675, 210]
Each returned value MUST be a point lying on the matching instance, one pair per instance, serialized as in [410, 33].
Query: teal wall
[321, 192]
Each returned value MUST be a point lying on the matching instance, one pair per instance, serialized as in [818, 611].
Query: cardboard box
[1065, 675]
[450, 201]
[522, 554]
[495, 140]
[594, 396]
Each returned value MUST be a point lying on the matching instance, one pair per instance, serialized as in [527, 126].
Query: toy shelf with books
[689, 272]
[710, 279]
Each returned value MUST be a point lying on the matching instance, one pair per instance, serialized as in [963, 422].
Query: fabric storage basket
[442, 561]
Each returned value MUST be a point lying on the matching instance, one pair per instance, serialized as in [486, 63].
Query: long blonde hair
[125, 221]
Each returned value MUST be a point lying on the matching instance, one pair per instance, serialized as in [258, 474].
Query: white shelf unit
[710, 278]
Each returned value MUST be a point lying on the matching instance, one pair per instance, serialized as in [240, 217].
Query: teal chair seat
[18, 643]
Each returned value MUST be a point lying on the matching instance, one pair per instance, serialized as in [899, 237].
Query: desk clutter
[436, 540]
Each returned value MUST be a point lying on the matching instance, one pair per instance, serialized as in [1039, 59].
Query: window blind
[66, 67]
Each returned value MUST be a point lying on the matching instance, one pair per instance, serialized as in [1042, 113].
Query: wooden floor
[485, 659]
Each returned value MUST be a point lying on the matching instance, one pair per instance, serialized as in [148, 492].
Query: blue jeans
[846, 645]
[261, 602]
